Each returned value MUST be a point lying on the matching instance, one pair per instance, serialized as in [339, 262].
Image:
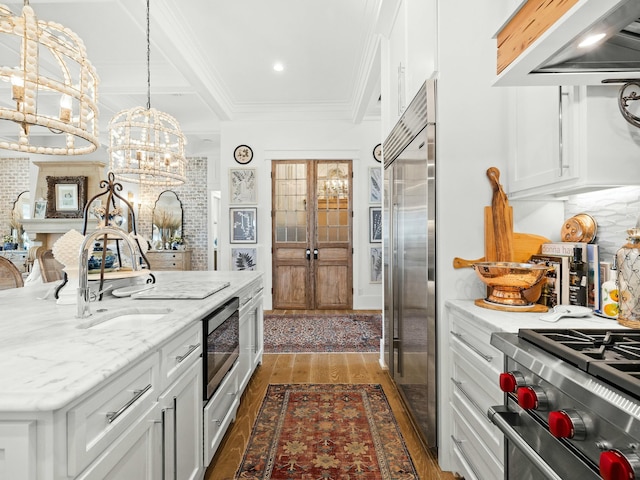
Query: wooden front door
[312, 234]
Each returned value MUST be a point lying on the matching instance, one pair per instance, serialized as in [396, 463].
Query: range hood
[555, 57]
[618, 52]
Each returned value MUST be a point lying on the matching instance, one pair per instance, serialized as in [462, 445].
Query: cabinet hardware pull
[464, 455]
[164, 443]
[218, 422]
[458, 384]
[175, 438]
[561, 94]
[485, 357]
[111, 416]
[180, 358]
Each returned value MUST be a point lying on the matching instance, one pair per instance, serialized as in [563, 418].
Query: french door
[312, 234]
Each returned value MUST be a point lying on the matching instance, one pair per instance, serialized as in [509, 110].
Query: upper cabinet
[540, 42]
[408, 28]
[568, 140]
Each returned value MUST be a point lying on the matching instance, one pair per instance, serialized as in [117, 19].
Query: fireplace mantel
[59, 226]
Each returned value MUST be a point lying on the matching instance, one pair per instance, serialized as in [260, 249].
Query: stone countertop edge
[499, 321]
[47, 362]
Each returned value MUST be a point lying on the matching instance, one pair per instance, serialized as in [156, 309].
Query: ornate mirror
[21, 210]
[167, 221]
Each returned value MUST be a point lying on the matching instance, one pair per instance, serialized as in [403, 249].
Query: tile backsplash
[615, 210]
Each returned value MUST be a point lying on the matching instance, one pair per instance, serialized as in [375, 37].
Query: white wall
[312, 140]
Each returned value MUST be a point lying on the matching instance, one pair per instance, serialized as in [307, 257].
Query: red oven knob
[509, 381]
[567, 424]
[532, 398]
[619, 465]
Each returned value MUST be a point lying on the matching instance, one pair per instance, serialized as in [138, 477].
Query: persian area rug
[326, 431]
[350, 332]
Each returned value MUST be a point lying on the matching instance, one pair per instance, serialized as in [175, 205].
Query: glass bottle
[628, 279]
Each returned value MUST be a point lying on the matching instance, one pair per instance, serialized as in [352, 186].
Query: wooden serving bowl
[508, 280]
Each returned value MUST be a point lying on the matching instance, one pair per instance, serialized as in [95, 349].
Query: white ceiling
[212, 60]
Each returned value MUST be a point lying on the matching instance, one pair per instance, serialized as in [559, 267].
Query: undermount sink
[130, 316]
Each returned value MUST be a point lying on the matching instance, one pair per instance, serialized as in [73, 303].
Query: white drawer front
[220, 412]
[477, 340]
[474, 460]
[99, 419]
[177, 355]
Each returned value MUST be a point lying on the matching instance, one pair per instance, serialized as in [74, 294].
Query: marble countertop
[498, 321]
[46, 361]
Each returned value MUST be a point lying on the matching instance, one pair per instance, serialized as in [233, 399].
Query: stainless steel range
[572, 404]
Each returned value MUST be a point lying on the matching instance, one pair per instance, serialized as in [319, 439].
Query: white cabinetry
[408, 54]
[251, 332]
[182, 426]
[220, 412]
[567, 140]
[476, 443]
[18, 447]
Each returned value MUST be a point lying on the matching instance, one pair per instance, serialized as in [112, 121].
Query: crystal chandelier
[53, 88]
[146, 146]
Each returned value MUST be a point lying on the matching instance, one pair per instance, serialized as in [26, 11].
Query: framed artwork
[243, 225]
[375, 225]
[242, 186]
[39, 209]
[243, 259]
[375, 265]
[66, 197]
[375, 185]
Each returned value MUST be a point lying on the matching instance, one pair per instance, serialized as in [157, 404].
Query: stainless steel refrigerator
[409, 249]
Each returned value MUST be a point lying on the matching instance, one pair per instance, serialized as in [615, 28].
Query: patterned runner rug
[351, 332]
[326, 431]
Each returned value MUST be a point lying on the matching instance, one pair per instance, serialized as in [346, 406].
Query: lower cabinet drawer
[99, 419]
[472, 458]
[177, 355]
[220, 412]
[18, 444]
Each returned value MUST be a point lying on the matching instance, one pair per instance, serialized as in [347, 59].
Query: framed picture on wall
[66, 197]
[242, 186]
[243, 259]
[375, 184]
[375, 225]
[375, 265]
[243, 227]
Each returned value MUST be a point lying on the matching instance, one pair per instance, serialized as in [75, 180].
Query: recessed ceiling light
[278, 67]
[591, 40]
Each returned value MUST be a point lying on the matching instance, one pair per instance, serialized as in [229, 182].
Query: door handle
[308, 254]
[315, 253]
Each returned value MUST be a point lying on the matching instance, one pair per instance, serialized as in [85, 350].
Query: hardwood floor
[315, 368]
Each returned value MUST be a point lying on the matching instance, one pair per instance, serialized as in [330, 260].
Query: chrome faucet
[83, 286]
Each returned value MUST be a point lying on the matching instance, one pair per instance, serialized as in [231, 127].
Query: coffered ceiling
[212, 60]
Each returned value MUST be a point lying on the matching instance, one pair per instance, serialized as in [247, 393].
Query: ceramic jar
[628, 280]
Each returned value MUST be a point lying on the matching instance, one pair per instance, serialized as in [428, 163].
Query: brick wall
[14, 179]
[194, 197]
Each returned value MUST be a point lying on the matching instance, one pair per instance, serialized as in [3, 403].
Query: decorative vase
[628, 280]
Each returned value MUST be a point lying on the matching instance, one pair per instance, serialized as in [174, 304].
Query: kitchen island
[82, 398]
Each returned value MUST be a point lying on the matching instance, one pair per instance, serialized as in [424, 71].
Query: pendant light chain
[148, 59]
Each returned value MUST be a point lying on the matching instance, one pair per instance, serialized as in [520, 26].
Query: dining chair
[50, 268]
[10, 276]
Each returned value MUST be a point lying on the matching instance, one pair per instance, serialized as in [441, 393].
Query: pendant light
[146, 146]
[53, 88]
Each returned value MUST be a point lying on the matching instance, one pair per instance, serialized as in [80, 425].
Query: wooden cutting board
[498, 223]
